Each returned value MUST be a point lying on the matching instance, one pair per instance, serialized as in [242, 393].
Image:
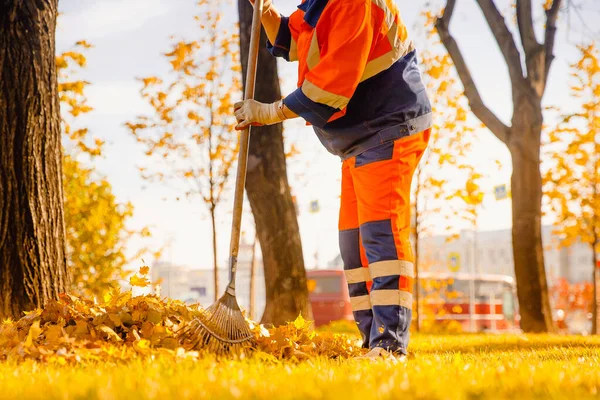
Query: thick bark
[270, 198]
[32, 234]
[213, 220]
[526, 186]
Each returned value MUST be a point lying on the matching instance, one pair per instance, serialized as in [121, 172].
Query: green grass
[440, 367]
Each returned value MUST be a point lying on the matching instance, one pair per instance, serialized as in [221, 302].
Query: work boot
[379, 353]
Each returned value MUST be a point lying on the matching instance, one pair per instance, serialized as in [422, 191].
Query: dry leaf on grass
[76, 329]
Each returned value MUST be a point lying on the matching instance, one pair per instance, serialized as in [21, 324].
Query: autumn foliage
[97, 232]
[122, 326]
[74, 103]
[572, 179]
[96, 222]
[447, 184]
[189, 136]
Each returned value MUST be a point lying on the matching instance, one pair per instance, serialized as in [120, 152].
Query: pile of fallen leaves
[124, 326]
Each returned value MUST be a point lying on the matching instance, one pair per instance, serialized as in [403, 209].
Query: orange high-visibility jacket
[358, 80]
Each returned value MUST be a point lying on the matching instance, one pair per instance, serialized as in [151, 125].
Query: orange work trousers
[374, 233]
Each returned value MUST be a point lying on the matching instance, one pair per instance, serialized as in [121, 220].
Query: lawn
[440, 367]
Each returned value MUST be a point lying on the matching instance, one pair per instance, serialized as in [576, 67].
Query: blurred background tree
[528, 64]
[439, 168]
[269, 194]
[189, 137]
[446, 185]
[572, 177]
[97, 233]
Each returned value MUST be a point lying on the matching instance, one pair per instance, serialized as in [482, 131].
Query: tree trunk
[595, 262]
[596, 243]
[526, 186]
[270, 198]
[522, 138]
[417, 284]
[416, 239]
[596, 298]
[252, 302]
[32, 234]
[215, 258]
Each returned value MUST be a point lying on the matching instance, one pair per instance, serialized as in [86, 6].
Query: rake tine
[220, 330]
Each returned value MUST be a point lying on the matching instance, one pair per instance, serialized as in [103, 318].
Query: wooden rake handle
[240, 181]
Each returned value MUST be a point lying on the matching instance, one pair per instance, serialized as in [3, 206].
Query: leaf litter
[122, 326]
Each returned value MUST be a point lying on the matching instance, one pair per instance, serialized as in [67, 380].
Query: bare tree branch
[480, 110]
[504, 39]
[448, 12]
[551, 17]
[534, 52]
[525, 22]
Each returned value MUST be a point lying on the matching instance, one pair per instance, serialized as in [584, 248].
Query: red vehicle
[448, 296]
[444, 295]
[329, 297]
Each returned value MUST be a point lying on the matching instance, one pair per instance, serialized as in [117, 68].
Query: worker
[361, 90]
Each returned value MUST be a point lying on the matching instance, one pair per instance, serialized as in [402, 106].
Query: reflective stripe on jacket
[358, 80]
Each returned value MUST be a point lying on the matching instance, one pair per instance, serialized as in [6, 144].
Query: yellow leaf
[81, 328]
[139, 281]
[300, 323]
[34, 332]
[110, 333]
[53, 334]
[154, 316]
[115, 319]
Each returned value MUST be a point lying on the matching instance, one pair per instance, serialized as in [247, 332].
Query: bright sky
[129, 37]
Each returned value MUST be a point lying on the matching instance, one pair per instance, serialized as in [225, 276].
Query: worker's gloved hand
[251, 112]
[267, 4]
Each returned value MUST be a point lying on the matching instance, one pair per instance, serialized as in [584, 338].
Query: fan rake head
[221, 329]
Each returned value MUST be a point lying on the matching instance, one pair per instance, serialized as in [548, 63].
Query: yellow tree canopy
[572, 176]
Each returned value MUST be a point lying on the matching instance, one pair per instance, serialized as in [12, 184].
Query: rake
[221, 328]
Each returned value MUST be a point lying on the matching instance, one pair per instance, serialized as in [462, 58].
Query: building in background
[195, 284]
[490, 252]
